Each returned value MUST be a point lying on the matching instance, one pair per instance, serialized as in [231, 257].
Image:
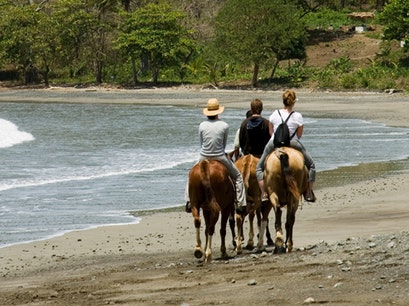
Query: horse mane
[208, 190]
[288, 176]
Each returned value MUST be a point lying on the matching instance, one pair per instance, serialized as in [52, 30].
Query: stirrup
[241, 210]
[310, 197]
[188, 208]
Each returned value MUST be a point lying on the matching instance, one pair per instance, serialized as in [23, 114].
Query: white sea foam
[10, 134]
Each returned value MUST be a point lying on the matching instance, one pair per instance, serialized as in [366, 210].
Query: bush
[326, 18]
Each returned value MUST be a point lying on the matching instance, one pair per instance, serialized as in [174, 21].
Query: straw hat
[213, 108]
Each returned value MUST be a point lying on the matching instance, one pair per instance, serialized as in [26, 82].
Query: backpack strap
[287, 117]
[282, 121]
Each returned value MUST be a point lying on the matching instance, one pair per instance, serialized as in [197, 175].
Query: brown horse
[211, 189]
[247, 166]
[285, 179]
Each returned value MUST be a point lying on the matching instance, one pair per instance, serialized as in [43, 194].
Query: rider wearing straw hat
[213, 134]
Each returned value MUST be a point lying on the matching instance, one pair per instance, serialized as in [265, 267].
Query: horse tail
[288, 175]
[207, 186]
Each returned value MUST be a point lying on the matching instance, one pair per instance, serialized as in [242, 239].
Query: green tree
[156, 32]
[73, 20]
[26, 40]
[87, 29]
[259, 32]
[395, 18]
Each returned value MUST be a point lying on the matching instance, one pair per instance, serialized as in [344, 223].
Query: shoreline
[152, 262]
[387, 108]
[325, 179]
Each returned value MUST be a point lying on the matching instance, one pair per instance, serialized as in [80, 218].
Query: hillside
[325, 46]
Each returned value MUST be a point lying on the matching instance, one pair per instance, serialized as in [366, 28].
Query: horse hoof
[258, 250]
[198, 254]
[280, 250]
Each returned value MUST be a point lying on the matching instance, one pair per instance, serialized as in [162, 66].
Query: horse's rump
[210, 186]
[247, 167]
[286, 173]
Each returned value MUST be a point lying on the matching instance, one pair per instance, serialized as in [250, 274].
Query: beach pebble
[391, 244]
[309, 300]
[252, 282]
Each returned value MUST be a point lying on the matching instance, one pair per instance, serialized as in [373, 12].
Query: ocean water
[75, 166]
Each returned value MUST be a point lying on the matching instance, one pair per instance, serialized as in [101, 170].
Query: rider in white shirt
[296, 127]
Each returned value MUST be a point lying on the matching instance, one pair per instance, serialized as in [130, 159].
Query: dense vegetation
[134, 43]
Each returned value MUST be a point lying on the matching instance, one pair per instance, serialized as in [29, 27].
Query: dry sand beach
[352, 245]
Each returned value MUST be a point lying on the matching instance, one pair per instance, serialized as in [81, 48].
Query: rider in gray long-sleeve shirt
[213, 140]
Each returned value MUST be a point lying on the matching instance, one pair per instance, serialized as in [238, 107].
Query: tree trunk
[99, 72]
[155, 75]
[254, 79]
[126, 4]
[144, 63]
[45, 74]
[134, 72]
[274, 70]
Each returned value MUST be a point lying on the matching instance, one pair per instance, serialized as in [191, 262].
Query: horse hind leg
[211, 220]
[268, 236]
[208, 249]
[198, 249]
[289, 226]
[225, 217]
[279, 243]
[232, 224]
[250, 240]
[239, 222]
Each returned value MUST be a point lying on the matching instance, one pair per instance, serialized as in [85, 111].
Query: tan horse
[211, 189]
[247, 166]
[285, 179]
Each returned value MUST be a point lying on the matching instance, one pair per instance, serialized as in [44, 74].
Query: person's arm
[225, 137]
[299, 131]
[242, 136]
[300, 122]
[200, 136]
[271, 128]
